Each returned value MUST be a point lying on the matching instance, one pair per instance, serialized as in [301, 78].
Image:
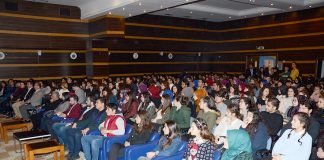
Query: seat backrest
[217, 155]
[128, 129]
[154, 136]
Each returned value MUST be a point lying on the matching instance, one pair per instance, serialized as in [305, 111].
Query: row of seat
[133, 152]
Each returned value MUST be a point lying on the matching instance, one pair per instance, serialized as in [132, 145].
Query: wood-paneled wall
[224, 47]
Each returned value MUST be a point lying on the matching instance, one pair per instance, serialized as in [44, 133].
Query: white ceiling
[226, 10]
[210, 10]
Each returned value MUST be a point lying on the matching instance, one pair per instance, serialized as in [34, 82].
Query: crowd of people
[261, 114]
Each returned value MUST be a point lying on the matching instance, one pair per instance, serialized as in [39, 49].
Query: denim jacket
[169, 150]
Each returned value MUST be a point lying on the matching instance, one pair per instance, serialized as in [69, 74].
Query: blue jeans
[74, 141]
[60, 131]
[91, 145]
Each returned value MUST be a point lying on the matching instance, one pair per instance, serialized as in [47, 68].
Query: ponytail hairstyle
[204, 131]
[304, 119]
[145, 122]
[173, 133]
[252, 127]
[234, 108]
[166, 103]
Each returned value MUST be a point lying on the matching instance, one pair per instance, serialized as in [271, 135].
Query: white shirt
[225, 124]
[291, 149]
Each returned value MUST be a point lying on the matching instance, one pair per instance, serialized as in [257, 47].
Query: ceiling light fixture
[109, 13]
[140, 3]
[290, 7]
[190, 12]
[144, 11]
[161, 6]
[129, 14]
[229, 17]
[123, 9]
[271, 4]
[310, 6]
[262, 14]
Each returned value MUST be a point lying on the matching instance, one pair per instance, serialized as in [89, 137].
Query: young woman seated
[139, 135]
[256, 129]
[180, 113]
[168, 144]
[202, 146]
[237, 145]
[295, 143]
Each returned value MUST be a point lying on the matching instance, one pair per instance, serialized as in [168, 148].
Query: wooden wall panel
[292, 36]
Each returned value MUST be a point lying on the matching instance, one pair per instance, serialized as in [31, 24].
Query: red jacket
[110, 123]
[154, 91]
[73, 111]
[131, 111]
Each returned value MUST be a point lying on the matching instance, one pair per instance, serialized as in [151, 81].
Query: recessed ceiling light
[167, 9]
[129, 14]
[229, 17]
[187, 0]
[271, 4]
[262, 14]
[190, 12]
[161, 6]
[310, 6]
[140, 3]
[123, 9]
[144, 11]
[290, 7]
[109, 13]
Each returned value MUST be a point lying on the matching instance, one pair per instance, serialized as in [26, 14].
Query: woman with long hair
[244, 105]
[147, 105]
[129, 109]
[203, 142]
[264, 95]
[287, 100]
[140, 134]
[168, 143]
[163, 113]
[232, 120]
[295, 143]
[256, 129]
[208, 111]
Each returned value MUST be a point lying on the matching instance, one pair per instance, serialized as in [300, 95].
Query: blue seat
[116, 139]
[155, 137]
[217, 155]
[135, 151]
[176, 156]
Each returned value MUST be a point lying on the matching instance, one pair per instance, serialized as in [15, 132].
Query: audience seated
[147, 105]
[256, 129]
[208, 112]
[139, 135]
[180, 113]
[113, 125]
[294, 143]
[233, 120]
[222, 103]
[168, 144]
[88, 124]
[237, 145]
[202, 146]
[272, 118]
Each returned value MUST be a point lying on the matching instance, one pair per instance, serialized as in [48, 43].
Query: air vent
[65, 12]
[11, 6]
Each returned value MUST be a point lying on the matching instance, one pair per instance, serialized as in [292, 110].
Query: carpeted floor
[7, 151]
